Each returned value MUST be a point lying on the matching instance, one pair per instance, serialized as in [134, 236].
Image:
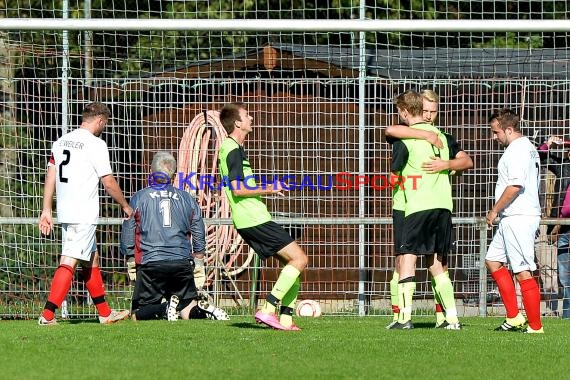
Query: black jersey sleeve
[235, 165]
[453, 145]
[399, 155]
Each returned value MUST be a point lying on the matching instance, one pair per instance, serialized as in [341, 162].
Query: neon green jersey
[432, 191]
[398, 199]
[246, 211]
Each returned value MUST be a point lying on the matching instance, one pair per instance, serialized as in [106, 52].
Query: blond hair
[430, 95]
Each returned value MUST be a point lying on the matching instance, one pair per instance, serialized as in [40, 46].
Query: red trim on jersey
[138, 250]
[51, 159]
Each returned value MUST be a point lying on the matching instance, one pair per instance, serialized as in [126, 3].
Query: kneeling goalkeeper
[164, 238]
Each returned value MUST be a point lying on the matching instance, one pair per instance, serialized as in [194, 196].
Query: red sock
[531, 301]
[58, 290]
[438, 308]
[507, 290]
[94, 284]
[395, 309]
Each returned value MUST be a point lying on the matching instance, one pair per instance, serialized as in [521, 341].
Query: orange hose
[198, 153]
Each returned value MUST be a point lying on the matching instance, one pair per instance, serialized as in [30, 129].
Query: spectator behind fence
[559, 164]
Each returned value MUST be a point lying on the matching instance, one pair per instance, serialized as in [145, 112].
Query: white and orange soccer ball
[308, 308]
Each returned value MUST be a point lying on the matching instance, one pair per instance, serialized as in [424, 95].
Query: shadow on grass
[248, 325]
[431, 325]
[79, 321]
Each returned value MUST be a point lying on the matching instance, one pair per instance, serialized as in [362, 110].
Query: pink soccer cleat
[270, 320]
[293, 327]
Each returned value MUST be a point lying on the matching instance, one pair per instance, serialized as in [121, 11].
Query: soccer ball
[308, 308]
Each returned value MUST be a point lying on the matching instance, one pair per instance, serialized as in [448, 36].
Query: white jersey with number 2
[80, 159]
[520, 166]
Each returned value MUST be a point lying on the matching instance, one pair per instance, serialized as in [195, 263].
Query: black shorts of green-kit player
[398, 217]
[266, 239]
[427, 232]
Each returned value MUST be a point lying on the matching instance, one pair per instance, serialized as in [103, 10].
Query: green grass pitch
[327, 348]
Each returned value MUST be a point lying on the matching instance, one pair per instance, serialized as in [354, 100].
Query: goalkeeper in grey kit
[163, 242]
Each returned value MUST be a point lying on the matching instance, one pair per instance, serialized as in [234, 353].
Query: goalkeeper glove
[132, 269]
[199, 273]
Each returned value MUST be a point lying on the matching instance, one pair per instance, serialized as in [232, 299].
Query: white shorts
[513, 242]
[78, 241]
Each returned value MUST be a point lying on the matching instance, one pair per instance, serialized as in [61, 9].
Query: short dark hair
[96, 109]
[507, 118]
[230, 114]
[410, 101]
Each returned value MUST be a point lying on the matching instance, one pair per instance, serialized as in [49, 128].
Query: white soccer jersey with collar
[80, 159]
[520, 166]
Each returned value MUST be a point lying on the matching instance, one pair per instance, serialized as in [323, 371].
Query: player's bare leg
[394, 292]
[294, 260]
[444, 289]
[406, 289]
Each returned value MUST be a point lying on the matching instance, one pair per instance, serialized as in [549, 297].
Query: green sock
[439, 316]
[285, 281]
[394, 295]
[405, 295]
[289, 300]
[444, 288]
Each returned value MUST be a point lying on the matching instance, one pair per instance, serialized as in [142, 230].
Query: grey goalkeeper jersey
[166, 225]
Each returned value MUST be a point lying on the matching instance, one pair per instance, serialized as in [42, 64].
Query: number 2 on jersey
[165, 211]
[67, 154]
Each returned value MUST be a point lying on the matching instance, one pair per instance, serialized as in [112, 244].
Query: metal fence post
[482, 228]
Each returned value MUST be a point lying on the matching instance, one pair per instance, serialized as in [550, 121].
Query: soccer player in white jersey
[517, 204]
[78, 161]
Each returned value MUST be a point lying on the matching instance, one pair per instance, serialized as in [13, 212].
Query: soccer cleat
[44, 322]
[439, 322]
[270, 320]
[293, 327]
[171, 313]
[391, 324]
[408, 325]
[115, 316]
[213, 312]
[506, 326]
[449, 326]
[528, 330]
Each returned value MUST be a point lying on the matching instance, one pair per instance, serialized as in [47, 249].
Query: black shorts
[398, 217]
[266, 239]
[161, 279]
[427, 232]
